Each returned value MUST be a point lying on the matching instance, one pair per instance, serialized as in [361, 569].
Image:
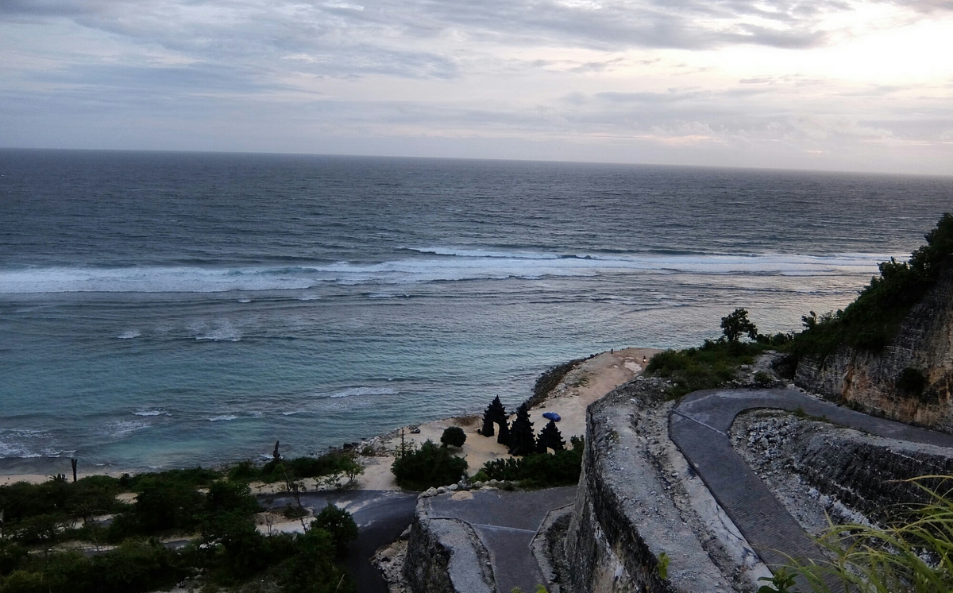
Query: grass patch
[708, 367]
[912, 554]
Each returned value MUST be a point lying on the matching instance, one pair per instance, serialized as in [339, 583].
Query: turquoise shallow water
[161, 310]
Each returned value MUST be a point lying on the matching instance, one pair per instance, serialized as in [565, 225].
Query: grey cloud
[244, 27]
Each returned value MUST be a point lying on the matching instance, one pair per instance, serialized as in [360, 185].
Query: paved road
[381, 516]
[699, 426]
[506, 522]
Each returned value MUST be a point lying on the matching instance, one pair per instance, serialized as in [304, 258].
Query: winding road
[699, 427]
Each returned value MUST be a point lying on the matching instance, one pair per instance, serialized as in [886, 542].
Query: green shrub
[911, 382]
[453, 437]
[312, 568]
[428, 466]
[11, 556]
[708, 367]
[334, 462]
[162, 505]
[873, 318]
[231, 497]
[539, 470]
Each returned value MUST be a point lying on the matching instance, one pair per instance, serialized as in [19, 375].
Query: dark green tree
[504, 437]
[339, 524]
[453, 436]
[737, 324]
[550, 438]
[431, 465]
[522, 439]
[488, 429]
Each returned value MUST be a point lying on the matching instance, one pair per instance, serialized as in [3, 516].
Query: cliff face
[872, 380]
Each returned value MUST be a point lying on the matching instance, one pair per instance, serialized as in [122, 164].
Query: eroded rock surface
[869, 379]
[819, 470]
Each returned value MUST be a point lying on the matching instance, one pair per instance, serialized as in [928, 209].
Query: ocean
[164, 310]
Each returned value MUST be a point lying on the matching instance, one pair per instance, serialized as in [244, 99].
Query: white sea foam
[221, 332]
[152, 413]
[130, 334]
[122, 428]
[221, 335]
[223, 418]
[356, 391]
[449, 265]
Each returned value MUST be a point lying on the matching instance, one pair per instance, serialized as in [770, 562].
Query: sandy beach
[587, 382]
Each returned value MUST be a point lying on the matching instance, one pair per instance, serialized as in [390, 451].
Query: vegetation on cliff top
[869, 322]
[873, 318]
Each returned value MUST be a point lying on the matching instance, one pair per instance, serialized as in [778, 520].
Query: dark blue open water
[163, 310]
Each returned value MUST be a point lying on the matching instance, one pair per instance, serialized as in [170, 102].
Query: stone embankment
[446, 556]
[922, 348]
[819, 470]
[643, 519]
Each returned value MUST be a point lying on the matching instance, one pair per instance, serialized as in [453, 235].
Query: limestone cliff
[921, 351]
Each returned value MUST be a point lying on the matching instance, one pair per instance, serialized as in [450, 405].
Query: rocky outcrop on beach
[910, 379]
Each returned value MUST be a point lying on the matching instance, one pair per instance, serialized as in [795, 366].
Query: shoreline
[588, 380]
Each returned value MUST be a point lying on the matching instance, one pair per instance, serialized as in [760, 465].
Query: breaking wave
[444, 265]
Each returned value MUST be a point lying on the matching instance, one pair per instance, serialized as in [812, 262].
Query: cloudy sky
[817, 84]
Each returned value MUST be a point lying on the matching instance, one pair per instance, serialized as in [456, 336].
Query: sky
[821, 84]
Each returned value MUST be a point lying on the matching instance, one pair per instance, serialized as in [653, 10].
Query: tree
[550, 438]
[488, 429]
[504, 436]
[339, 524]
[736, 324]
[522, 438]
[453, 437]
[495, 414]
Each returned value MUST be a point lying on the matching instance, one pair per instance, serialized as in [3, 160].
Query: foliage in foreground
[539, 470]
[914, 554]
[429, 466]
[227, 549]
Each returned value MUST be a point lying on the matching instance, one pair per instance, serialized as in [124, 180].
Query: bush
[311, 569]
[164, 505]
[871, 321]
[911, 382]
[540, 470]
[453, 437]
[736, 324]
[708, 367]
[231, 497]
[428, 466]
[335, 462]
